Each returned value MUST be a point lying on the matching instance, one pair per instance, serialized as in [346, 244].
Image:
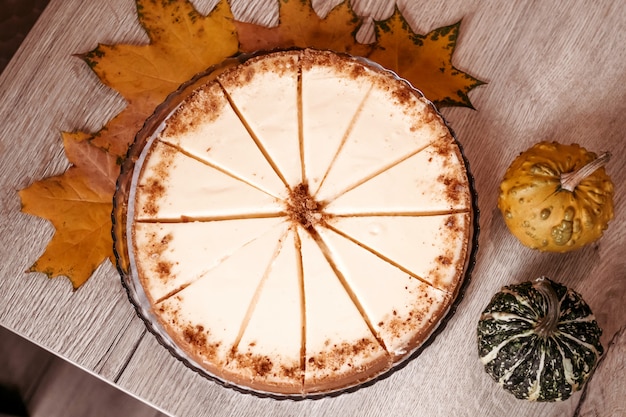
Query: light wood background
[556, 70]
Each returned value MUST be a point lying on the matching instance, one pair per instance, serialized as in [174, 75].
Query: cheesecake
[300, 223]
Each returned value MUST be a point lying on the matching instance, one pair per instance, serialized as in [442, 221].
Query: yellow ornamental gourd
[556, 197]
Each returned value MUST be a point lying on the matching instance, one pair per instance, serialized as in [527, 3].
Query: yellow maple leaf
[300, 26]
[78, 203]
[182, 43]
[424, 60]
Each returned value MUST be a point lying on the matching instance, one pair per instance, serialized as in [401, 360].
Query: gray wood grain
[555, 71]
[604, 395]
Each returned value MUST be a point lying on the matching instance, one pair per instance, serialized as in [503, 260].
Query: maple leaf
[423, 60]
[78, 203]
[182, 43]
[300, 26]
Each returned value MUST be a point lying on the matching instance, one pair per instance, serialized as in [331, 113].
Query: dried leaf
[116, 136]
[78, 203]
[424, 60]
[300, 26]
[182, 43]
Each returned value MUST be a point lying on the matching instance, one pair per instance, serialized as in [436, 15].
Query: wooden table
[556, 70]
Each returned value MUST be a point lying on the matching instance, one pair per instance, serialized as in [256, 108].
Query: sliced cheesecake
[301, 223]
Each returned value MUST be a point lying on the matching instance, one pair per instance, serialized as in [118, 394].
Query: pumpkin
[556, 197]
[539, 340]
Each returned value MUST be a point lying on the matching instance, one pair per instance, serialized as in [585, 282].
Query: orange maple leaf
[78, 203]
[424, 60]
[300, 26]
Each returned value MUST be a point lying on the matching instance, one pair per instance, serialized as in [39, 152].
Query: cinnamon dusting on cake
[403, 96]
[399, 326]
[312, 58]
[303, 209]
[196, 336]
[453, 225]
[455, 188]
[357, 71]
[439, 273]
[262, 366]
[343, 65]
[417, 321]
[291, 372]
[450, 264]
[155, 189]
[152, 189]
[156, 245]
[443, 147]
[453, 177]
[280, 64]
[342, 354]
[202, 106]
[163, 269]
[444, 260]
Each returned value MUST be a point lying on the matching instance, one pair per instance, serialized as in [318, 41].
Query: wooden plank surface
[555, 71]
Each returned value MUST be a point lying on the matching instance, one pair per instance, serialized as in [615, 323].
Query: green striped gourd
[539, 340]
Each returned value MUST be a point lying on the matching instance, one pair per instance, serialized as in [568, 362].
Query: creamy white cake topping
[177, 254]
[265, 96]
[302, 223]
[222, 140]
[438, 185]
[176, 186]
[274, 327]
[432, 248]
[397, 305]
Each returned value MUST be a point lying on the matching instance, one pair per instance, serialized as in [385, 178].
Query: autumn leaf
[423, 60]
[120, 131]
[300, 26]
[78, 203]
[182, 43]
